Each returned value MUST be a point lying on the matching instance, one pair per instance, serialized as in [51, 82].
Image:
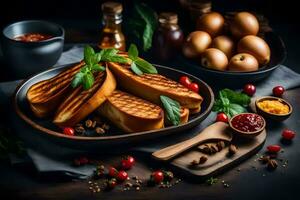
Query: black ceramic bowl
[33, 129]
[237, 79]
[27, 58]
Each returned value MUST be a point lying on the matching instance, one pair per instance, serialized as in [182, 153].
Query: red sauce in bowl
[248, 122]
[33, 37]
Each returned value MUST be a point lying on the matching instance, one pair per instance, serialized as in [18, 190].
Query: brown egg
[214, 59]
[244, 23]
[225, 44]
[243, 62]
[212, 23]
[196, 43]
[255, 46]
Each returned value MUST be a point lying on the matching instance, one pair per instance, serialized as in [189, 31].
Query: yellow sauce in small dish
[274, 107]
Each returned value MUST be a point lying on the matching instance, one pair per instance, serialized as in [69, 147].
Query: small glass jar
[112, 35]
[168, 38]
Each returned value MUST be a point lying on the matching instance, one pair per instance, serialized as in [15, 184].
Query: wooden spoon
[216, 131]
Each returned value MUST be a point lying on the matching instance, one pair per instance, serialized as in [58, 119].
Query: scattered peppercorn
[264, 159]
[88, 123]
[232, 149]
[100, 130]
[194, 162]
[272, 164]
[220, 145]
[202, 159]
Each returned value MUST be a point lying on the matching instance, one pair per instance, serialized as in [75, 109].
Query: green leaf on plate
[135, 69]
[88, 81]
[172, 109]
[145, 66]
[77, 80]
[133, 52]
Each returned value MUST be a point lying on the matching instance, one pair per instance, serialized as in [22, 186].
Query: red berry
[127, 163]
[222, 117]
[112, 172]
[288, 134]
[122, 175]
[157, 176]
[249, 89]
[68, 131]
[194, 87]
[185, 81]
[273, 148]
[278, 91]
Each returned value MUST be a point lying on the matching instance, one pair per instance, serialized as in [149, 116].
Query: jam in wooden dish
[248, 122]
[32, 37]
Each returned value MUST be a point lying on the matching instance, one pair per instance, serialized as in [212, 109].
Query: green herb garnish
[138, 65]
[85, 77]
[172, 109]
[231, 102]
[142, 24]
[211, 181]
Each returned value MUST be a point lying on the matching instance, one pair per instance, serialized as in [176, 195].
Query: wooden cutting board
[218, 162]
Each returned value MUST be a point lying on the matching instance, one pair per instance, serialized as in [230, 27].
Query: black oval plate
[27, 125]
[237, 79]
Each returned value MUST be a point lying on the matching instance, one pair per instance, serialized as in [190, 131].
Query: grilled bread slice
[80, 103]
[151, 86]
[131, 113]
[45, 96]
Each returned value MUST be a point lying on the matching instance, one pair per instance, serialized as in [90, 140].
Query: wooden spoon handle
[171, 151]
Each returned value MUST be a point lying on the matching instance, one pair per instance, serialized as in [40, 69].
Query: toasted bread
[81, 103]
[131, 113]
[45, 96]
[151, 86]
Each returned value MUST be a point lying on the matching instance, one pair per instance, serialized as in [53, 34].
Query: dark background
[82, 19]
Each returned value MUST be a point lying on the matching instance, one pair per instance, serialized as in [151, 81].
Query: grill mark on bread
[134, 106]
[81, 95]
[41, 91]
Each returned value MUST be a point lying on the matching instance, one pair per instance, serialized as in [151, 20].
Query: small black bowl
[27, 58]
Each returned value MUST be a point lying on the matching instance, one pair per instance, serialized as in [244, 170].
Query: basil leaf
[218, 105]
[148, 16]
[88, 81]
[225, 101]
[133, 52]
[77, 80]
[88, 54]
[109, 53]
[145, 66]
[84, 69]
[235, 109]
[236, 97]
[117, 59]
[172, 109]
[147, 37]
[135, 69]
[98, 68]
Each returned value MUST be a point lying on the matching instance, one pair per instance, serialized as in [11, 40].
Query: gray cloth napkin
[60, 163]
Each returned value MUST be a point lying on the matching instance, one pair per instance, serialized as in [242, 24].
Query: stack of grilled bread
[130, 101]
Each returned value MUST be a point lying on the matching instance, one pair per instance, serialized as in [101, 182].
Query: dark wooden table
[249, 180]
